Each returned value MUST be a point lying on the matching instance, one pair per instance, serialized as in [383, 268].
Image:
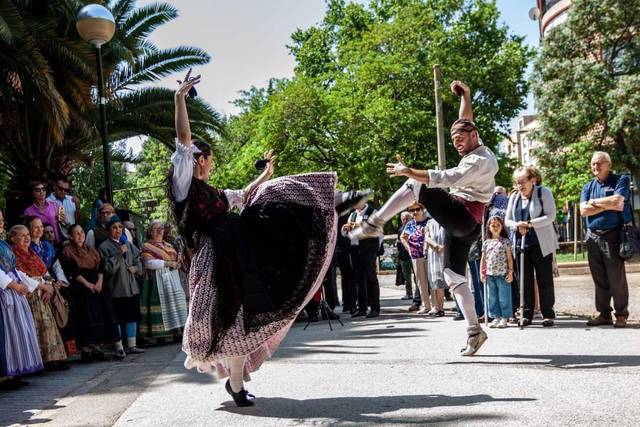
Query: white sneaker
[432, 312]
[495, 323]
[424, 310]
[503, 323]
[476, 338]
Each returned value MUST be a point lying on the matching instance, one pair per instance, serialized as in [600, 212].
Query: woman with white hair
[163, 302]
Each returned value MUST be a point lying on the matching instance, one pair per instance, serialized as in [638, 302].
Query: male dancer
[459, 211]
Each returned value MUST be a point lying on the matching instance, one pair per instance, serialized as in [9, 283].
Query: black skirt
[94, 317]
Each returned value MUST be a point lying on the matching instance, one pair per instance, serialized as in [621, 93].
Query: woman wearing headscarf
[51, 344]
[96, 322]
[19, 340]
[164, 305]
[121, 263]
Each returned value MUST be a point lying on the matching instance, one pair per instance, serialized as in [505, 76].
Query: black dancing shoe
[359, 313]
[345, 201]
[242, 398]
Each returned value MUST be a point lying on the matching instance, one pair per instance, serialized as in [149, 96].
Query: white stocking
[236, 373]
[464, 296]
[400, 200]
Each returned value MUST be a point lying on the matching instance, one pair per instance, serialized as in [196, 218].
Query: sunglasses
[66, 190]
[415, 210]
[39, 189]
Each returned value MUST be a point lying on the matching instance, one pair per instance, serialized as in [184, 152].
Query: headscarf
[83, 257]
[45, 251]
[159, 250]
[29, 262]
[463, 125]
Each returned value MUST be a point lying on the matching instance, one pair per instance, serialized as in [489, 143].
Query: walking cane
[484, 284]
[521, 272]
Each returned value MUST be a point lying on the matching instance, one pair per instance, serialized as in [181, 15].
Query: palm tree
[47, 87]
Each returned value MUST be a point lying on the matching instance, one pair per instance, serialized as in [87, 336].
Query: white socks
[458, 285]
[236, 372]
[400, 200]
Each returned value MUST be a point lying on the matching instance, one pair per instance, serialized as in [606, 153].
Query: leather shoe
[547, 322]
[242, 398]
[414, 307]
[600, 321]
[406, 297]
[350, 199]
[359, 313]
[373, 313]
[621, 321]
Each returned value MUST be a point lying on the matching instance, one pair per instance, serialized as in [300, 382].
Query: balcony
[548, 4]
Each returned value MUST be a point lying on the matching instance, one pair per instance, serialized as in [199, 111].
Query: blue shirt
[612, 185]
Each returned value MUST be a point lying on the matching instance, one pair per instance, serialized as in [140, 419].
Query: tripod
[325, 311]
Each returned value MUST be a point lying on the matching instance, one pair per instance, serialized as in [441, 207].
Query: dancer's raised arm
[265, 175]
[183, 129]
[466, 110]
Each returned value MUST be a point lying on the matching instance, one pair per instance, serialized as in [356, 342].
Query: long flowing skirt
[94, 315]
[163, 304]
[312, 194]
[22, 353]
[51, 344]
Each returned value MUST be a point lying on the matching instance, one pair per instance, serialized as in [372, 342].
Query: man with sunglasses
[459, 211]
[69, 203]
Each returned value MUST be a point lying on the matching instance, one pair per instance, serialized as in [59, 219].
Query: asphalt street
[398, 369]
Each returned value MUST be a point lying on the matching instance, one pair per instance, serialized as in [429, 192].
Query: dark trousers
[330, 285]
[541, 268]
[346, 262]
[366, 276]
[461, 229]
[608, 273]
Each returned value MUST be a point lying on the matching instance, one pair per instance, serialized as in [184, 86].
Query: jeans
[499, 297]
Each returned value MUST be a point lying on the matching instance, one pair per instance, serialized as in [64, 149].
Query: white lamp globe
[95, 24]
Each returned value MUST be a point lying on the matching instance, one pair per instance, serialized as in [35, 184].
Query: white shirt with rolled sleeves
[183, 161]
[473, 179]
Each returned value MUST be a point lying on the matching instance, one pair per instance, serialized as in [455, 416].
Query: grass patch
[582, 256]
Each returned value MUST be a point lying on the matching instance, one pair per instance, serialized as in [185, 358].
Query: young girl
[496, 266]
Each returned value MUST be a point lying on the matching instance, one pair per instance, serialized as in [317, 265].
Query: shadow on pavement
[370, 409]
[558, 361]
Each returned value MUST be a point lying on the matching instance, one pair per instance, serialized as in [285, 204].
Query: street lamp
[96, 26]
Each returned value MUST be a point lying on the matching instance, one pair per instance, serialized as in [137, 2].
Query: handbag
[629, 240]
[60, 308]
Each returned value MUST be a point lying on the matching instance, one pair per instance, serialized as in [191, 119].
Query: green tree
[587, 87]
[47, 91]
[363, 87]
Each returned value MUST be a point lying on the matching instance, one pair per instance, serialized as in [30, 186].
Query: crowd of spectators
[70, 292]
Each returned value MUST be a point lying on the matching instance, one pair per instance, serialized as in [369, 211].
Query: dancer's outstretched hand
[397, 169]
[187, 84]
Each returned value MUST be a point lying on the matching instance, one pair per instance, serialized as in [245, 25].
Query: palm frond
[143, 21]
[11, 24]
[156, 65]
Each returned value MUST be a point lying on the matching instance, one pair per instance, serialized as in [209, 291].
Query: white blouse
[183, 161]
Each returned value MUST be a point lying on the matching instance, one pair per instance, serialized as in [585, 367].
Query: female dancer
[251, 273]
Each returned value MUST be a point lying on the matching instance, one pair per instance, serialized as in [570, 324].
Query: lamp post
[96, 26]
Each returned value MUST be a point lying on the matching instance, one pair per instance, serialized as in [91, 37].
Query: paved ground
[399, 369]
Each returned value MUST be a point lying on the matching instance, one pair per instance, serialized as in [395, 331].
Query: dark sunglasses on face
[39, 189]
[415, 210]
[66, 190]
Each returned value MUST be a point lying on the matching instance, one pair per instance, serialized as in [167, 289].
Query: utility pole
[442, 163]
